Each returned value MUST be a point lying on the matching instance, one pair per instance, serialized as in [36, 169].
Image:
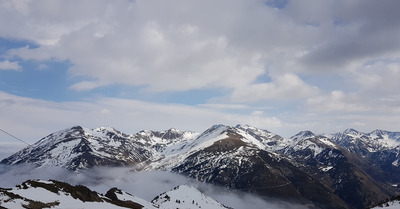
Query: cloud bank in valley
[146, 185]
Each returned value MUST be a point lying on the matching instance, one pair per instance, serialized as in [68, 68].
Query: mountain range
[349, 169]
[56, 194]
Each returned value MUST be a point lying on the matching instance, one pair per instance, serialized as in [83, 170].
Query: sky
[280, 65]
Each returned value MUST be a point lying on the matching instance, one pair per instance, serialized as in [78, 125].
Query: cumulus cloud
[20, 116]
[337, 101]
[178, 46]
[134, 45]
[140, 43]
[283, 87]
[379, 77]
[361, 31]
[7, 65]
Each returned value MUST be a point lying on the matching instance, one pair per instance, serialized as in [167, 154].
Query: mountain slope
[55, 194]
[337, 168]
[381, 150]
[185, 197]
[78, 148]
[235, 159]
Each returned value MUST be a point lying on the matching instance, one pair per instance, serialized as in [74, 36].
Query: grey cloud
[359, 31]
[175, 46]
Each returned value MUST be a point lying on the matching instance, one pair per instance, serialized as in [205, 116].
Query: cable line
[50, 172]
[15, 137]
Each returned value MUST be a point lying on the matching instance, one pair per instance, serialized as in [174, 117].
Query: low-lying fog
[145, 185]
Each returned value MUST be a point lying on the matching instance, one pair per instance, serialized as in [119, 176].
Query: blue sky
[281, 65]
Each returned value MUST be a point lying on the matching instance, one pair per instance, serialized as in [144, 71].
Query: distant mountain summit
[78, 148]
[349, 169]
[380, 150]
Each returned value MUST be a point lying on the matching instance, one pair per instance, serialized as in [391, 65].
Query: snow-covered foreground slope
[186, 197]
[55, 194]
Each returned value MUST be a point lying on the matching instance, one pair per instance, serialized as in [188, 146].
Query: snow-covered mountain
[336, 167]
[184, 196]
[381, 150]
[78, 148]
[341, 170]
[248, 159]
[56, 194]
[365, 143]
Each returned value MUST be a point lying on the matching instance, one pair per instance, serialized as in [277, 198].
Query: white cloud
[379, 77]
[85, 85]
[43, 67]
[224, 106]
[7, 65]
[337, 101]
[133, 45]
[282, 87]
[32, 119]
[158, 46]
[140, 43]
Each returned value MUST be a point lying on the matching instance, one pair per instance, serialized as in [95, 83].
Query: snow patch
[327, 142]
[184, 196]
[396, 163]
[325, 169]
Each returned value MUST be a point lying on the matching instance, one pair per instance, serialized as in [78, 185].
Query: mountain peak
[245, 126]
[77, 127]
[214, 128]
[173, 130]
[351, 131]
[303, 135]
[105, 128]
[379, 132]
[186, 197]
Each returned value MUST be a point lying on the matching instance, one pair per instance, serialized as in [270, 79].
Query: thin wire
[15, 137]
[53, 174]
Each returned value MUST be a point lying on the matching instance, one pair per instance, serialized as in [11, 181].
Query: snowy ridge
[307, 141]
[381, 147]
[165, 142]
[249, 136]
[186, 197]
[374, 141]
[261, 138]
[79, 147]
[55, 194]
